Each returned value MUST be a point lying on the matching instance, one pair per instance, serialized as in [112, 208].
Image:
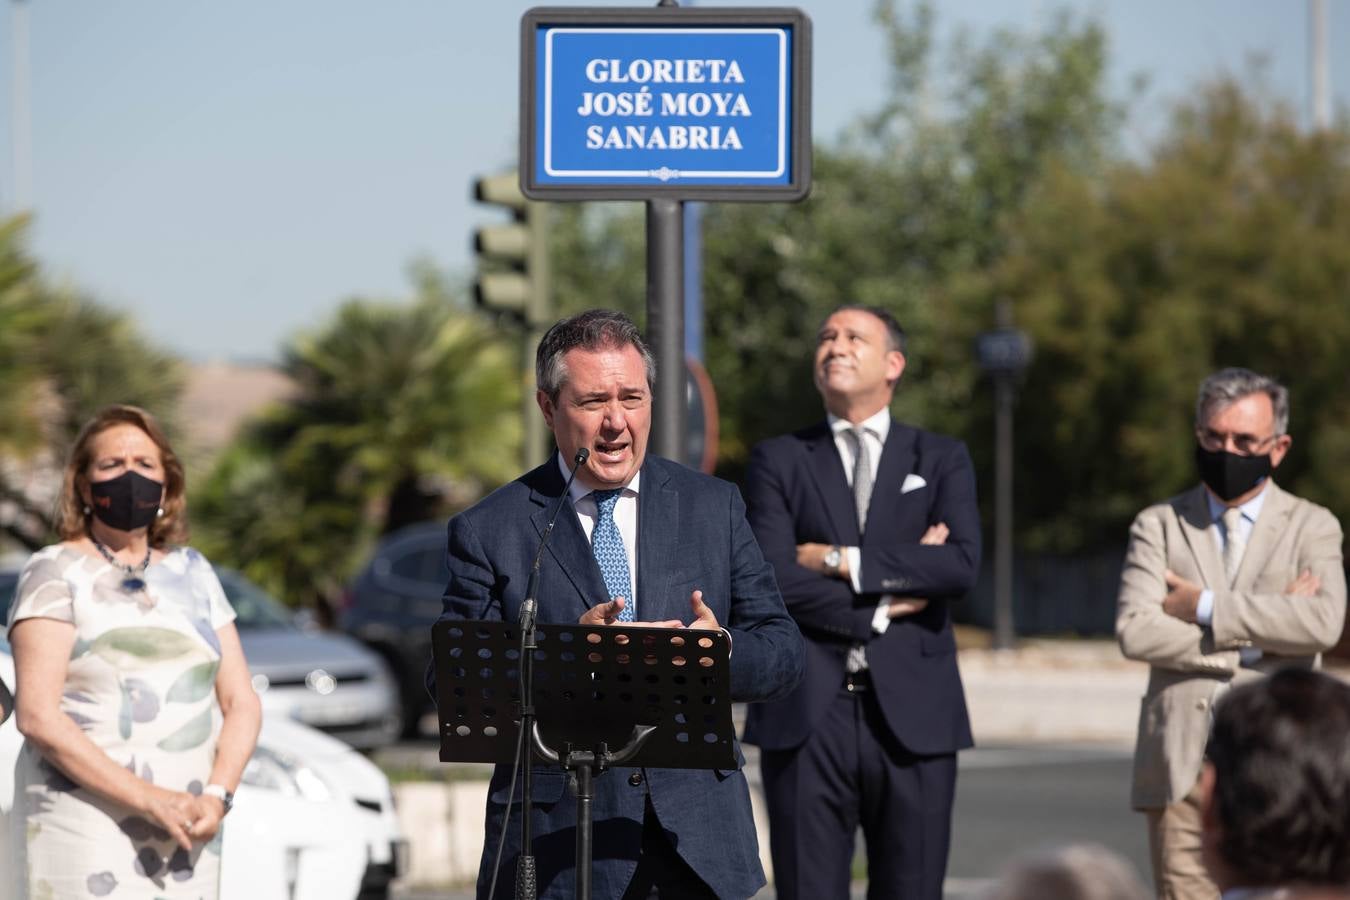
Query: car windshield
[254, 610]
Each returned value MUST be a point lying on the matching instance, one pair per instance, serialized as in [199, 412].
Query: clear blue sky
[229, 172]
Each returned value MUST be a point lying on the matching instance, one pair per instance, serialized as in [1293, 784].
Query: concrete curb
[1050, 692]
[1043, 692]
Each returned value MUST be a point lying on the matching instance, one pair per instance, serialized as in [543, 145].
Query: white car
[327, 680]
[312, 820]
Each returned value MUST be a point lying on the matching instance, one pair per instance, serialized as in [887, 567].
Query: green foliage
[93, 356]
[402, 413]
[598, 256]
[1229, 247]
[62, 357]
[902, 212]
[22, 319]
[992, 173]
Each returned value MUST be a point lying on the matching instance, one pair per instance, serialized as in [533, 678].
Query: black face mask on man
[127, 502]
[1229, 475]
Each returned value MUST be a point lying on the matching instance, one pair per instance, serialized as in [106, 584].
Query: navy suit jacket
[692, 534]
[797, 493]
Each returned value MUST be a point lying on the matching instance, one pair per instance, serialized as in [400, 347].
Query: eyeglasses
[1244, 444]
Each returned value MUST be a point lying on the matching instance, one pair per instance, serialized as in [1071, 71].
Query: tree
[1229, 245]
[903, 210]
[993, 172]
[21, 323]
[62, 357]
[402, 412]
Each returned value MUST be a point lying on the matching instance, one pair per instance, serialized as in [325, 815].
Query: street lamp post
[1003, 354]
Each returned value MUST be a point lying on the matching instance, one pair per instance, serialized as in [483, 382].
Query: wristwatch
[833, 559]
[218, 791]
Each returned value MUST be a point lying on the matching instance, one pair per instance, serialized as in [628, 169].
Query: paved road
[1011, 801]
[1014, 800]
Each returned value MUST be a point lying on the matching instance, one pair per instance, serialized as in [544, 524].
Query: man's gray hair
[1227, 386]
[593, 330]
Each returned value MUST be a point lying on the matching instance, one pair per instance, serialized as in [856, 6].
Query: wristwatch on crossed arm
[833, 560]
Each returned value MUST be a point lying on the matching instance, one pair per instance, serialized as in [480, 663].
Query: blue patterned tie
[607, 546]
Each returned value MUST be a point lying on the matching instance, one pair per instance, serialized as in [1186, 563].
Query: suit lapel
[827, 471]
[657, 544]
[1269, 527]
[1196, 525]
[568, 546]
[897, 461]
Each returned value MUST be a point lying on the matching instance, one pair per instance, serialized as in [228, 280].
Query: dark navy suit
[915, 712]
[692, 534]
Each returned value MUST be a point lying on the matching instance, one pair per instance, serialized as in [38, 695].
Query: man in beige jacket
[1227, 581]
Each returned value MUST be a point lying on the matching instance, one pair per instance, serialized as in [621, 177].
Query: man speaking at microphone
[643, 540]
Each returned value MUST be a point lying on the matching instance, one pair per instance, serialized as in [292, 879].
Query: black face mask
[127, 502]
[1228, 475]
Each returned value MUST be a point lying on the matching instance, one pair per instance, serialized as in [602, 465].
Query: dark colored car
[392, 603]
[9, 582]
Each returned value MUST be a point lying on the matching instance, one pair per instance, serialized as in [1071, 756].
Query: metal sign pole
[1003, 511]
[665, 324]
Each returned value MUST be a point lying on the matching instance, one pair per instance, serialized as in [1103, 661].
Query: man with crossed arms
[872, 529]
[1230, 580]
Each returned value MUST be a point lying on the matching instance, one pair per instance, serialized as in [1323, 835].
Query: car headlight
[278, 771]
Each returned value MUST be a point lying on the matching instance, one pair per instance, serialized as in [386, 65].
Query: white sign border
[549, 171]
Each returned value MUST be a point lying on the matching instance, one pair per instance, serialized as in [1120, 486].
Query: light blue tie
[607, 546]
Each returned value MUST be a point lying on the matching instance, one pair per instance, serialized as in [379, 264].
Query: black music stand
[603, 695]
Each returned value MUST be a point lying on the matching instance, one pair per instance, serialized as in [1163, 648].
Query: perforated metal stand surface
[592, 685]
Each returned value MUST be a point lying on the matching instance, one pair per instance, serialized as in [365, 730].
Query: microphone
[530, 608]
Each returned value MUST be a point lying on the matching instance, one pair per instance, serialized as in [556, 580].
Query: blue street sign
[702, 104]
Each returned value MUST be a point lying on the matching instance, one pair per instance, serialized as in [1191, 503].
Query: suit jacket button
[635, 779]
[1201, 704]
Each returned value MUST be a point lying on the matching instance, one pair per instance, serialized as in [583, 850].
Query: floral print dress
[141, 684]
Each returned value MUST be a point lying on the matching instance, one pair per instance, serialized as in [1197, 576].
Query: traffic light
[513, 276]
[513, 282]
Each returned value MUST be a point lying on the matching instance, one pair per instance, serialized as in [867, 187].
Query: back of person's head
[1071, 872]
[1279, 759]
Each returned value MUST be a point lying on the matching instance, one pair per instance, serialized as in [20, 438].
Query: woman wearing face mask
[132, 691]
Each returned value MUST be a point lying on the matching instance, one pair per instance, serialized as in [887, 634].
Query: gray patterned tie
[856, 660]
[1234, 543]
[862, 475]
[610, 555]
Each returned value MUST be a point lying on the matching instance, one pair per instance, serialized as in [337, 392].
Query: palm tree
[62, 356]
[401, 412]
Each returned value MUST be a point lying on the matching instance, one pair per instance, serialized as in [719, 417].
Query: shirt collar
[879, 423]
[1250, 510]
[579, 490]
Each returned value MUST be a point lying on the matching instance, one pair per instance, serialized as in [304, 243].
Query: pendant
[133, 583]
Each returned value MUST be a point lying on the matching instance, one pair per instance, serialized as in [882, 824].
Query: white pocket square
[912, 483]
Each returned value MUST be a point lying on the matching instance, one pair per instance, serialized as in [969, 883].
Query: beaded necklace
[133, 576]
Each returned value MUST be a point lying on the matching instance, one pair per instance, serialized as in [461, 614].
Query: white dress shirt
[1204, 607]
[625, 519]
[875, 427]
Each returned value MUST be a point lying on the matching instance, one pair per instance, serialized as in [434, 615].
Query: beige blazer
[1189, 664]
